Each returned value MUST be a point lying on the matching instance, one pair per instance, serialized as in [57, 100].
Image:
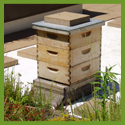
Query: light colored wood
[53, 55]
[60, 91]
[50, 30]
[68, 31]
[61, 88]
[28, 53]
[47, 84]
[84, 38]
[53, 72]
[69, 93]
[9, 61]
[21, 43]
[85, 53]
[84, 29]
[66, 18]
[62, 57]
[71, 32]
[115, 23]
[84, 70]
[60, 41]
[79, 84]
[68, 75]
[109, 16]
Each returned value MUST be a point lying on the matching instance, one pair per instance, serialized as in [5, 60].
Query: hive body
[69, 58]
[68, 55]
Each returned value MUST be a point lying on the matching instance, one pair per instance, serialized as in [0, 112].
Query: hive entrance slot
[86, 51]
[52, 36]
[86, 34]
[85, 68]
[52, 53]
[53, 70]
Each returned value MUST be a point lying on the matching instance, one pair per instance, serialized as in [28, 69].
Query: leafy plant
[13, 93]
[13, 90]
[104, 107]
[106, 77]
[18, 112]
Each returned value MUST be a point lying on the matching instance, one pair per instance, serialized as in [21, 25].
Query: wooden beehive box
[68, 53]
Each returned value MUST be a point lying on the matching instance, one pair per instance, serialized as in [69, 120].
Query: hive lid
[67, 18]
[93, 23]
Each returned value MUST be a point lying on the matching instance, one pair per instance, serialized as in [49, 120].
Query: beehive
[68, 50]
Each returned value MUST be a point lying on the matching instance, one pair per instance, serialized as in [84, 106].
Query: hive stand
[67, 53]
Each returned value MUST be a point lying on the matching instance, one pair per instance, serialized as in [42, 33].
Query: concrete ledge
[24, 23]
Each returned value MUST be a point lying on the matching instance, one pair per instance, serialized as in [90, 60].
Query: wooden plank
[21, 43]
[116, 8]
[84, 70]
[84, 29]
[50, 30]
[84, 38]
[94, 23]
[28, 53]
[47, 84]
[62, 74]
[85, 53]
[66, 18]
[52, 39]
[71, 92]
[115, 23]
[53, 55]
[9, 61]
[109, 16]
[104, 8]
[61, 57]
[61, 88]
[53, 72]
[79, 84]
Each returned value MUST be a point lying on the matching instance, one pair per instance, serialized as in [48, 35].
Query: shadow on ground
[88, 97]
[92, 13]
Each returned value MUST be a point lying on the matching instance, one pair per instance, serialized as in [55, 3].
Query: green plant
[13, 93]
[106, 77]
[15, 102]
[100, 111]
[18, 112]
[13, 90]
